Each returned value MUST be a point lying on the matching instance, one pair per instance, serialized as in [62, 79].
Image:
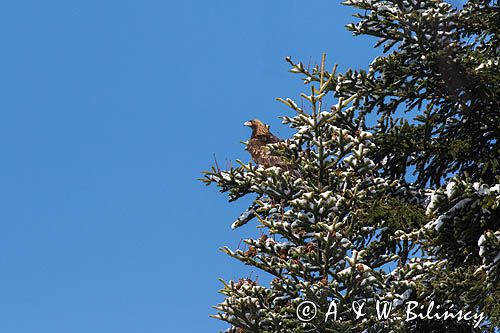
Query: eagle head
[258, 127]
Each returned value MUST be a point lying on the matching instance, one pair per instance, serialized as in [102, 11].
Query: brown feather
[258, 146]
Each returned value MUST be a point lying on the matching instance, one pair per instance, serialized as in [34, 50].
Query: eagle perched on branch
[258, 148]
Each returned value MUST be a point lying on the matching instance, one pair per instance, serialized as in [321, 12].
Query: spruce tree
[347, 225]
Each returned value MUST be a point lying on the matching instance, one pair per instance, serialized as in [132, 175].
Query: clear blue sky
[110, 110]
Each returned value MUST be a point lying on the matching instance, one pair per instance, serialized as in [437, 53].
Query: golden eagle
[258, 148]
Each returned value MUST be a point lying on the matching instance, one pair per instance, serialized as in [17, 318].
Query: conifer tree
[348, 227]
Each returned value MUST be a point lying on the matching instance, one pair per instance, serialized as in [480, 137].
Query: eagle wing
[258, 149]
[273, 139]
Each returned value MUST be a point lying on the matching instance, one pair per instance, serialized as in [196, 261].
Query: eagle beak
[248, 123]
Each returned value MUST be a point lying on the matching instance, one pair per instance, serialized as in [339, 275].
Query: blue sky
[110, 111]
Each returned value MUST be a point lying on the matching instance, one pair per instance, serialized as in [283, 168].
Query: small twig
[323, 58]
[216, 163]
[322, 75]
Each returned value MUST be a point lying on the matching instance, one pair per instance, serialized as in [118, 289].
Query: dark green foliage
[348, 226]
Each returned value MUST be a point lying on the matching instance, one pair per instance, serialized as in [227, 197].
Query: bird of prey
[258, 148]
